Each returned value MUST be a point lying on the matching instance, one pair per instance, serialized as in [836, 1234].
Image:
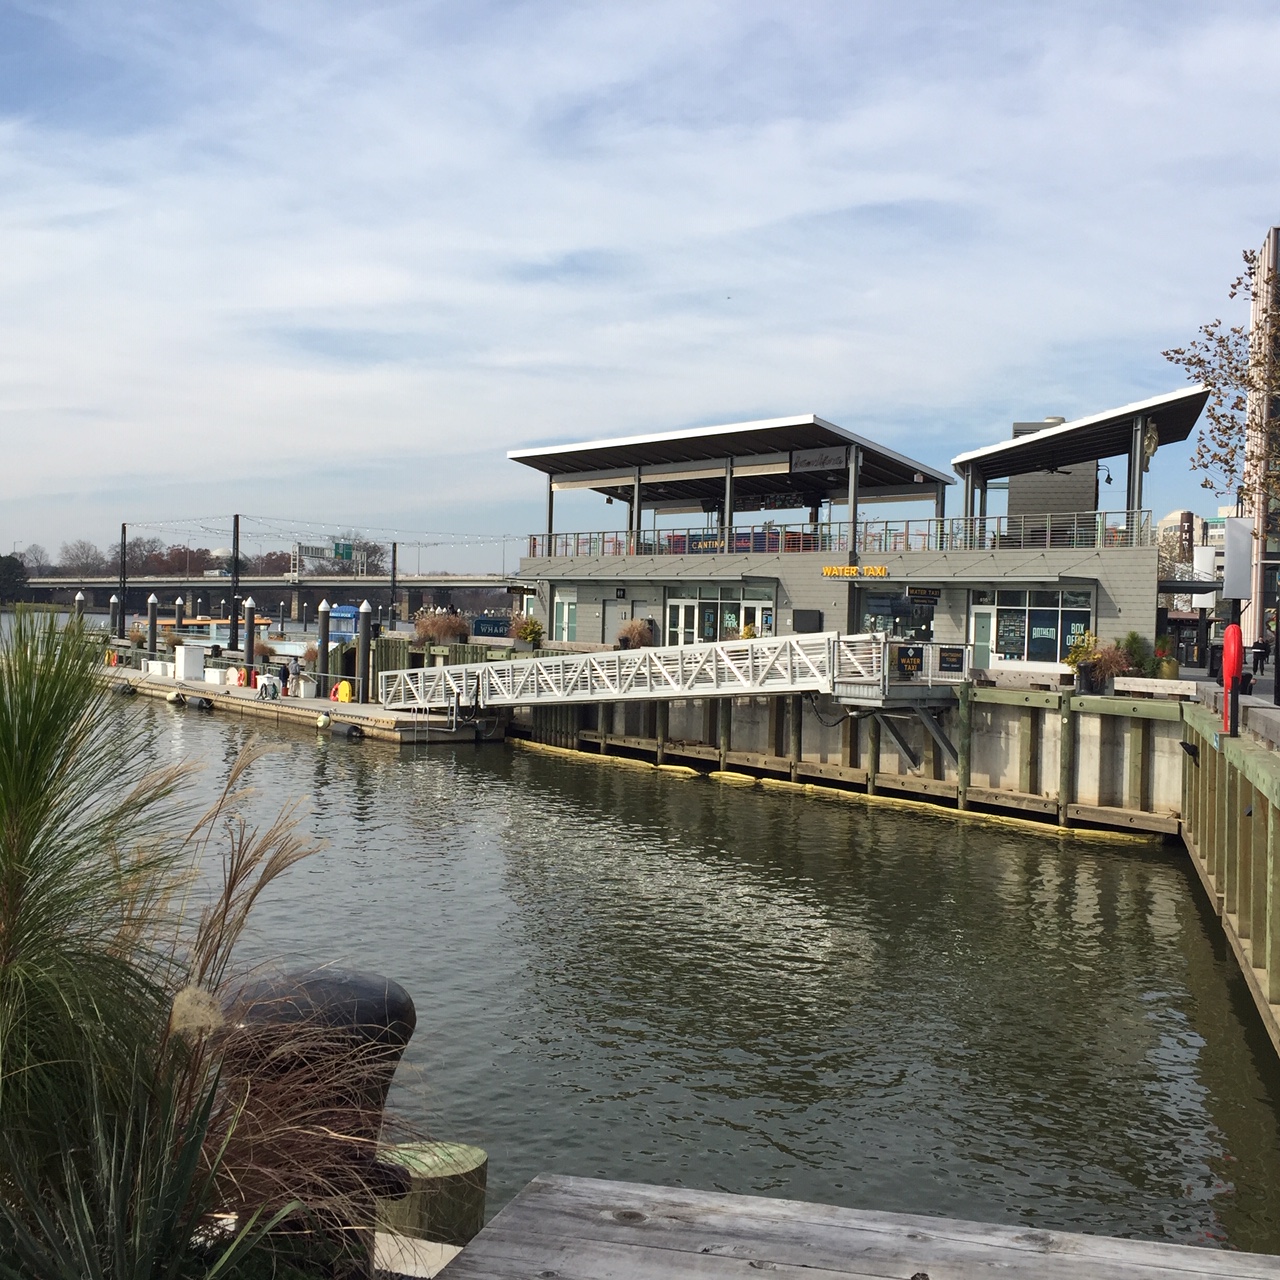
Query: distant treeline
[147, 557]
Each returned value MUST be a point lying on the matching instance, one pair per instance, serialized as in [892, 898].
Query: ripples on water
[625, 974]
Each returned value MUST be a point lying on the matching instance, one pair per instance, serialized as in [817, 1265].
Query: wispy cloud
[391, 241]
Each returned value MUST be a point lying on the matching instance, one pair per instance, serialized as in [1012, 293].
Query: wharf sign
[855, 571]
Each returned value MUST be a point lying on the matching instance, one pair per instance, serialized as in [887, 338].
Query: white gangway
[825, 662]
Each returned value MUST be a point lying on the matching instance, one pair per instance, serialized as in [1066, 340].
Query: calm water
[624, 974]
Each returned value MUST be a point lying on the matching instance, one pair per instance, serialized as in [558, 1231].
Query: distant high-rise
[1262, 451]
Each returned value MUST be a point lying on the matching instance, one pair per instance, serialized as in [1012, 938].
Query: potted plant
[526, 632]
[1166, 663]
[634, 634]
[1080, 660]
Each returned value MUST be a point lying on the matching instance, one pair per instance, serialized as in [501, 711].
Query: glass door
[981, 627]
[682, 622]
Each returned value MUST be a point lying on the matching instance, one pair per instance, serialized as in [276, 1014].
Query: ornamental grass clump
[440, 628]
[145, 1128]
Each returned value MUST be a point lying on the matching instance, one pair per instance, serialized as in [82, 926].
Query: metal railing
[820, 663]
[1067, 531]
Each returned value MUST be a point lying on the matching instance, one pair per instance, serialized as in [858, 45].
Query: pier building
[785, 536]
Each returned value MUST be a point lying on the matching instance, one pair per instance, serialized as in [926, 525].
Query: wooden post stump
[446, 1199]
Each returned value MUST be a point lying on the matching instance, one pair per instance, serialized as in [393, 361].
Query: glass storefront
[720, 613]
[1034, 625]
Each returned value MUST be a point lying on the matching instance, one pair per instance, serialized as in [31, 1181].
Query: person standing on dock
[295, 677]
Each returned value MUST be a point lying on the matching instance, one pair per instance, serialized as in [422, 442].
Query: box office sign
[820, 459]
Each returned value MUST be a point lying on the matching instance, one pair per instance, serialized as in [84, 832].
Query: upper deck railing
[1068, 531]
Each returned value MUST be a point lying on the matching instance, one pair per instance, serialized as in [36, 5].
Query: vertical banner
[1237, 559]
[1204, 563]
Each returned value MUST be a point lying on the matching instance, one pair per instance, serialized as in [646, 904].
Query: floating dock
[583, 1228]
[350, 719]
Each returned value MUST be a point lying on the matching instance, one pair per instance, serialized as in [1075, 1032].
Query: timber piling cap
[115, 599]
[323, 607]
[366, 607]
[179, 600]
[79, 595]
[250, 603]
[153, 598]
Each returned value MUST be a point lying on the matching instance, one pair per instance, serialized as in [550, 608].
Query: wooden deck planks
[586, 1229]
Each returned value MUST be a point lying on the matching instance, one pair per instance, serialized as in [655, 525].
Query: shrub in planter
[310, 654]
[261, 649]
[1110, 662]
[635, 634]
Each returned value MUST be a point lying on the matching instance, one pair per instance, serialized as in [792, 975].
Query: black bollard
[115, 614]
[179, 613]
[153, 605]
[250, 632]
[322, 649]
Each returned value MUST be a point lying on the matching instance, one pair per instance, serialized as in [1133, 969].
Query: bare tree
[35, 558]
[140, 555]
[81, 558]
[1240, 367]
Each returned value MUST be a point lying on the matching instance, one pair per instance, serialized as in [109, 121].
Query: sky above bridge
[329, 261]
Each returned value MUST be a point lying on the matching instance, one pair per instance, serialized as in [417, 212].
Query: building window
[564, 623]
[1040, 625]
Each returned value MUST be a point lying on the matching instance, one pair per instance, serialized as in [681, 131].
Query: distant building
[1260, 453]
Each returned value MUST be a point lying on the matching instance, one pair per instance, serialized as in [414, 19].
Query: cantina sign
[855, 571]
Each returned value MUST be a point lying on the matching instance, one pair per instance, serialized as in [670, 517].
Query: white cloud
[390, 242]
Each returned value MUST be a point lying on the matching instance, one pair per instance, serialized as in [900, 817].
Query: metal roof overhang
[687, 468]
[1103, 435]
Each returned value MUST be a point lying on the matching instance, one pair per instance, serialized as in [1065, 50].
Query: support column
[873, 753]
[855, 471]
[551, 510]
[795, 723]
[726, 526]
[635, 517]
[663, 729]
[1066, 759]
[1134, 487]
[725, 727]
[964, 747]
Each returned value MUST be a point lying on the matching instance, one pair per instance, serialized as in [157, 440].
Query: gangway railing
[826, 662]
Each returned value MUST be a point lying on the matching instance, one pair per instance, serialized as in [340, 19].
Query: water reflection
[631, 975]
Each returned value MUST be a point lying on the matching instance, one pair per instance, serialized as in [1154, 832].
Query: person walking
[1261, 651]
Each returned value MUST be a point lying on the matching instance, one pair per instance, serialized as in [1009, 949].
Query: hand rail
[1073, 530]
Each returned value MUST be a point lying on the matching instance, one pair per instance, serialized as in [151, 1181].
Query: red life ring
[333, 694]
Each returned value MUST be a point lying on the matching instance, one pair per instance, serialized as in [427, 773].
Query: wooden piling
[964, 747]
[1066, 760]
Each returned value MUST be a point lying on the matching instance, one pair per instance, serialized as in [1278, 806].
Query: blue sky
[329, 262]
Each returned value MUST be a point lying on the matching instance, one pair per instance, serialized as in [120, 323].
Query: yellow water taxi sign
[855, 571]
